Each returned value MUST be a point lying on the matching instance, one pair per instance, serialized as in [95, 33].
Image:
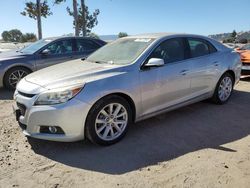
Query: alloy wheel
[111, 121]
[225, 88]
[16, 76]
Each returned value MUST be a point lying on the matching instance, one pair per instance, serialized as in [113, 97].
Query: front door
[56, 52]
[165, 86]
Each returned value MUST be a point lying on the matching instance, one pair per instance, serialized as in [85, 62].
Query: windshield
[121, 52]
[246, 47]
[32, 48]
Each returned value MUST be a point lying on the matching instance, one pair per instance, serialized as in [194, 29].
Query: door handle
[184, 72]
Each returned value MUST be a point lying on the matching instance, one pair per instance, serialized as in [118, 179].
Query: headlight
[57, 96]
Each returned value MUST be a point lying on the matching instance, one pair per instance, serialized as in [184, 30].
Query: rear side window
[200, 47]
[84, 45]
[171, 50]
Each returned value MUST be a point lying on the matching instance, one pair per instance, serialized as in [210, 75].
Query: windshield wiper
[19, 51]
[99, 62]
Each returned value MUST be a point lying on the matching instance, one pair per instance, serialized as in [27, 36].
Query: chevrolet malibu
[14, 65]
[126, 81]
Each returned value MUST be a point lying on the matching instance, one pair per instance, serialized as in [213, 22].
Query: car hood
[13, 54]
[72, 73]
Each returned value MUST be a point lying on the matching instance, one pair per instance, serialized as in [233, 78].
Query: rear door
[205, 65]
[57, 52]
[84, 47]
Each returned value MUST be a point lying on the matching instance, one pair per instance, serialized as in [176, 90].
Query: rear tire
[224, 89]
[108, 120]
[13, 76]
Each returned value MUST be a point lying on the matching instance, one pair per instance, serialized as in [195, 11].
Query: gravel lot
[201, 145]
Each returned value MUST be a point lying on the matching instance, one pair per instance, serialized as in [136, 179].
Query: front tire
[13, 76]
[224, 89]
[108, 120]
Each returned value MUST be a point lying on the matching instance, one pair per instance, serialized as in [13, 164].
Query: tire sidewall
[91, 118]
[9, 72]
[216, 97]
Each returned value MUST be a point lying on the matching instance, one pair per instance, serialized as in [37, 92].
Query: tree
[90, 22]
[6, 36]
[83, 7]
[228, 40]
[122, 34]
[93, 35]
[36, 11]
[28, 37]
[74, 14]
[234, 35]
[13, 35]
[85, 20]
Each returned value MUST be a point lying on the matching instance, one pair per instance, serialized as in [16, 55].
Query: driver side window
[171, 50]
[60, 47]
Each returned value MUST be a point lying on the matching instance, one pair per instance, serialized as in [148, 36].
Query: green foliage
[13, 35]
[93, 35]
[30, 10]
[122, 34]
[28, 37]
[234, 34]
[91, 18]
[228, 40]
[59, 1]
[16, 35]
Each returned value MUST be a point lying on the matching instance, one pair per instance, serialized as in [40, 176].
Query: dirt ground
[201, 145]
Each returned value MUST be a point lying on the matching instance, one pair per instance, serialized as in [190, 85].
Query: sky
[137, 16]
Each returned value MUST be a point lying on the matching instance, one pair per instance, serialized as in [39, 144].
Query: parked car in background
[245, 58]
[128, 80]
[14, 65]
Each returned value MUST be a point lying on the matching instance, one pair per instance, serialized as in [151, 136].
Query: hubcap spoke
[106, 132]
[117, 127]
[104, 113]
[117, 110]
[101, 128]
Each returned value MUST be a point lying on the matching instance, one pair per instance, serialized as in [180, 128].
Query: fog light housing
[51, 130]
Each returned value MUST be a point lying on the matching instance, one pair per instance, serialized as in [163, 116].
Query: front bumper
[245, 68]
[69, 116]
[1, 77]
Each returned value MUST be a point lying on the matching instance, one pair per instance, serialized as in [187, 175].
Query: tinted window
[212, 49]
[60, 47]
[198, 47]
[86, 45]
[170, 51]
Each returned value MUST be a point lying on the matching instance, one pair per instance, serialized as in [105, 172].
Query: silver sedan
[126, 81]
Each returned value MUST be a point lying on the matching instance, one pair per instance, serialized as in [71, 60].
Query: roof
[153, 35]
[68, 37]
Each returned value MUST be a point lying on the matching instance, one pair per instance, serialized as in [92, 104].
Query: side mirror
[45, 52]
[155, 62]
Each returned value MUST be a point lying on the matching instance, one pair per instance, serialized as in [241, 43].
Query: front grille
[22, 108]
[26, 94]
